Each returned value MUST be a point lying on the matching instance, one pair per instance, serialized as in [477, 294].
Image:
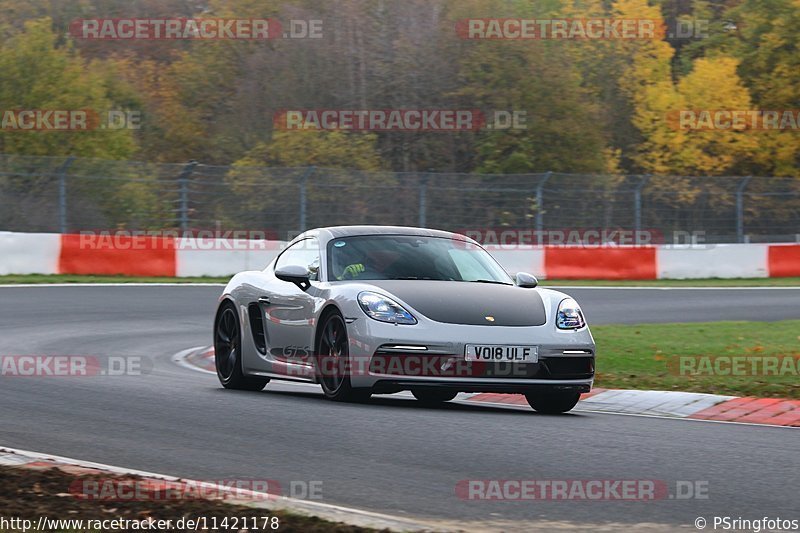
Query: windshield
[377, 257]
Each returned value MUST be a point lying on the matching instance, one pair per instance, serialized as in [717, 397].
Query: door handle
[264, 300]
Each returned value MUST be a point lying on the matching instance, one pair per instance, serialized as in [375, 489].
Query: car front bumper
[390, 358]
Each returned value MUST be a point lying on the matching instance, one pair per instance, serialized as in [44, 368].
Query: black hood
[459, 302]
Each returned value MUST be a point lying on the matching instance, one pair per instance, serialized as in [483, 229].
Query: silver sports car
[365, 310]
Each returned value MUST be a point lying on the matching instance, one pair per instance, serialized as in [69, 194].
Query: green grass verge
[742, 282]
[645, 356]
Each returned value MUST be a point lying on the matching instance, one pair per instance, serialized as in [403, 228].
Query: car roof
[337, 232]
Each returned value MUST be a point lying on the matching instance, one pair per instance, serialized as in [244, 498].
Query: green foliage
[329, 149]
[590, 106]
[40, 75]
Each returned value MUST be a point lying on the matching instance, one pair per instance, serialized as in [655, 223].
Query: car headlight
[569, 315]
[384, 309]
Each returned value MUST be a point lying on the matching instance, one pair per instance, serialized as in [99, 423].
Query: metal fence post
[62, 194]
[423, 199]
[540, 203]
[183, 184]
[740, 208]
[637, 203]
[303, 202]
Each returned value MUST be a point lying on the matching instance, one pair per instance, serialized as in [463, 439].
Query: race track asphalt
[389, 455]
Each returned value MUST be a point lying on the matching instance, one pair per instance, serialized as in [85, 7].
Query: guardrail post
[62, 194]
[303, 201]
[183, 205]
[423, 199]
[637, 203]
[540, 203]
[740, 208]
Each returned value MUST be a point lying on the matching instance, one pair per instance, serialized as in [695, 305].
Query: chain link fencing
[67, 194]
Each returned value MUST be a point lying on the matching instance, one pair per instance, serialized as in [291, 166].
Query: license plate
[502, 354]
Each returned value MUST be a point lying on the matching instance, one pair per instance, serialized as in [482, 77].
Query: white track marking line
[337, 513]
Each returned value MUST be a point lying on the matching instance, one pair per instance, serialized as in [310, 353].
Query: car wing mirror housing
[295, 274]
[526, 281]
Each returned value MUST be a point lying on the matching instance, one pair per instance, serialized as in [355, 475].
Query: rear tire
[553, 403]
[433, 396]
[228, 352]
[332, 362]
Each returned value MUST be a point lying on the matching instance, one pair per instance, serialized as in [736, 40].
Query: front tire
[553, 403]
[433, 396]
[332, 362]
[228, 352]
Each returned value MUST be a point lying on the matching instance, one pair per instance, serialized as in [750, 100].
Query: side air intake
[257, 327]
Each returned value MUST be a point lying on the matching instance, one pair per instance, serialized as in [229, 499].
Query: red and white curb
[235, 496]
[675, 404]
[672, 404]
[200, 358]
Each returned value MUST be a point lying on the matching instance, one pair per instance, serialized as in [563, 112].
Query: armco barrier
[126, 255]
[784, 260]
[37, 253]
[520, 258]
[619, 262]
[215, 257]
[29, 253]
[719, 261]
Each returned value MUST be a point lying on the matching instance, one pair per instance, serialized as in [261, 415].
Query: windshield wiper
[489, 281]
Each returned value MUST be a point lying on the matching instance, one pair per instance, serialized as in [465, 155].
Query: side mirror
[294, 274]
[526, 281]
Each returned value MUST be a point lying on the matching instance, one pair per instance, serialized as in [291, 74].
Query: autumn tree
[38, 75]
